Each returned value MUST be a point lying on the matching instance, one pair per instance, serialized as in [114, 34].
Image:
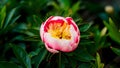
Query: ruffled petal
[75, 37]
[58, 44]
[70, 21]
[50, 49]
[42, 31]
[74, 32]
[54, 45]
[59, 17]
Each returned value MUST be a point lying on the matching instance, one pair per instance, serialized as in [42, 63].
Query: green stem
[59, 59]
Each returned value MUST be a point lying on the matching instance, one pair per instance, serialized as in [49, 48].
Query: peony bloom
[60, 34]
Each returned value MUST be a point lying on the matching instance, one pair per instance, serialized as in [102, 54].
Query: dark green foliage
[22, 56]
[4, 64]
[21, 45]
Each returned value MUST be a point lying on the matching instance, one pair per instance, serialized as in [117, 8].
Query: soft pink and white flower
[60, 34]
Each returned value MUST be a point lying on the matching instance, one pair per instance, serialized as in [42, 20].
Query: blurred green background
[98, 22]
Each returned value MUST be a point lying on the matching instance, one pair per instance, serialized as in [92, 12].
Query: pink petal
[58, 44]
[46, 23]
[42, 31]
[50, 49]
[63, 44]
[58, 17]
[53, 18]
[70, 21]
[75, 37]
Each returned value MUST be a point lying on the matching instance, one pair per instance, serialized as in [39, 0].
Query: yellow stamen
[60, 32]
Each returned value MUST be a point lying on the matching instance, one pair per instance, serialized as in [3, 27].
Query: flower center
[60, 31]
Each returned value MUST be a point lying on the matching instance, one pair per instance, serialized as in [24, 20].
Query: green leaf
[21, 26]
[2, 16]
[5, 64]
[22, 56]
[54, 4]
[13, 20]
[38, 58]
[19, 37]
[71, 61]
[75, 7]
[85, 35]
[84, 65]
[83, 55]
[9, 17]
[86, 42]
[65, 4]
[34, 53]
[98, 61]
[103, 32]
[116, 50]
[113, 31]
[84, 27]
[37, 20]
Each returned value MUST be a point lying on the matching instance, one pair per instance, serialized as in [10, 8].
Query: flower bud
[60, 34]
[104, 30]
[109, 9]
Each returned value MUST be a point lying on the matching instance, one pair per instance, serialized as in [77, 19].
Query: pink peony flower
[60, 34]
